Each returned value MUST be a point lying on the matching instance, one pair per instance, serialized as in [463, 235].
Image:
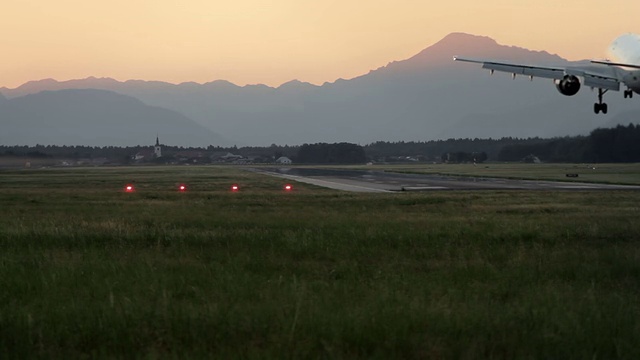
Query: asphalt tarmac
[381, 181]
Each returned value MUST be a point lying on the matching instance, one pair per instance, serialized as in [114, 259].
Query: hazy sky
[274, 41]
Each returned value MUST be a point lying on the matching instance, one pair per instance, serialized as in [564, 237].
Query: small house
[283, 160]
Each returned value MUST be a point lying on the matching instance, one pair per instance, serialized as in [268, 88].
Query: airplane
[622, 68]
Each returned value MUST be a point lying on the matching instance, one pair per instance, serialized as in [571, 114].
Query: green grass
[87, 270]
[596, 173]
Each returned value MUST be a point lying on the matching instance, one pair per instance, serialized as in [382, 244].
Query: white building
[283, 160]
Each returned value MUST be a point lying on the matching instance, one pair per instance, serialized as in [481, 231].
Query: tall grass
[87, 270]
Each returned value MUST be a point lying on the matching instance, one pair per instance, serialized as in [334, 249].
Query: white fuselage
[626, 50]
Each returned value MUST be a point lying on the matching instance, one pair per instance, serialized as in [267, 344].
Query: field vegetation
[87, 270]
[628, 174]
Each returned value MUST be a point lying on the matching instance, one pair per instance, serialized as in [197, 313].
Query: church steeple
[157, 150]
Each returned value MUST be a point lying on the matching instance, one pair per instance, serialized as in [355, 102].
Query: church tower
[157, 151]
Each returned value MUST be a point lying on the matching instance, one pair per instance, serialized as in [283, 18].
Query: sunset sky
[274, 41]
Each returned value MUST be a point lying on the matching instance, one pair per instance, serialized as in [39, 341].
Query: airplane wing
[609, 63]
[606, 78]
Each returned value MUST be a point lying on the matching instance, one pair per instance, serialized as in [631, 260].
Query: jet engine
[569, 85]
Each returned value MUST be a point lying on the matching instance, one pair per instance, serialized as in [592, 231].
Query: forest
[615, 145]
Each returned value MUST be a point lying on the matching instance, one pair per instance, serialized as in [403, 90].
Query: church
[157, 150]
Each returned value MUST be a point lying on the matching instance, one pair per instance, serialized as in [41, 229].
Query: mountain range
[95, 118]
[425, 97]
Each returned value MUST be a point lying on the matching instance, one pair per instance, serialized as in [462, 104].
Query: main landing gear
[601, 106]
[628, 93]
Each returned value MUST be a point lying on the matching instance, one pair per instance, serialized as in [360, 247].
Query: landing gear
[628, 93]
[601, 106]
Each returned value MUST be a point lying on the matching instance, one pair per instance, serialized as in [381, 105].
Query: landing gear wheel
[628, 94]
[600, 106]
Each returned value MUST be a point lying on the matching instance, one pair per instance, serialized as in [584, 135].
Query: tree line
[619, 144]
[614, 145]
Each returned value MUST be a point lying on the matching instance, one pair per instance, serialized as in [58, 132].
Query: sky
[275, 41]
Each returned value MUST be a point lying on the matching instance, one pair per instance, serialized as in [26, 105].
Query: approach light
[129, 188]
[288, 187]
[182, 188]
[234, 188]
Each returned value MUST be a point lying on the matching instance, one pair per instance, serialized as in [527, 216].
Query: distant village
[159, 154]
[617, 144]
[174, 156]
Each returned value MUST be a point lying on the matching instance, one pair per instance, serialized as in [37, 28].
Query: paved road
[380, 181]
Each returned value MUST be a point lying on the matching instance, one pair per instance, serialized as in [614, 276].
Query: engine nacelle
[569, 85]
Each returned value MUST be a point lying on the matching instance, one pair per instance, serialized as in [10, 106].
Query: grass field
[628, 174]
[87, 270]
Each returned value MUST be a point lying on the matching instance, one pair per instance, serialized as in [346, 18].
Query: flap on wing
[518, 69]
[542, 72]
[601, 82]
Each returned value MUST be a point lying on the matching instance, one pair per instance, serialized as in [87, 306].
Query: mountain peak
[457, 43]
[36, 86]
[460, 39]
[38, 83]
[222, 84]
[468, 45]
[94, 80]
[295, 84]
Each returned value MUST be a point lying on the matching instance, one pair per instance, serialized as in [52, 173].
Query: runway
[381, 181]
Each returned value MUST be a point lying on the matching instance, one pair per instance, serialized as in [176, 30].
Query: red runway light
[288, 187]
[182, 188]
[235, 188]
[129, 188]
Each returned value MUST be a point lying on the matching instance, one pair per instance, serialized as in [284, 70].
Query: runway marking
[326, 183]
[387, 182]
[338, 185]
[419, 188]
